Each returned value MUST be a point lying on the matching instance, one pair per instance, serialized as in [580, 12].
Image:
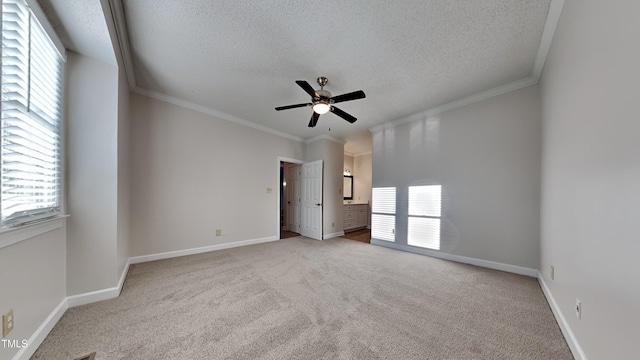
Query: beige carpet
[305, 299]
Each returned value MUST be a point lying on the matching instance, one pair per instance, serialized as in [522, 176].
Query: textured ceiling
[241, 58]
[81, 27]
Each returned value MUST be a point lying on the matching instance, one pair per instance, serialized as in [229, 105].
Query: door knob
[319, 204]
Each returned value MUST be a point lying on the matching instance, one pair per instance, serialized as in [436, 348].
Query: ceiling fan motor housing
[323, 94]
[322, 101]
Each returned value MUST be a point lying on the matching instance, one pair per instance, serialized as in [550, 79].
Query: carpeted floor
[305, 299]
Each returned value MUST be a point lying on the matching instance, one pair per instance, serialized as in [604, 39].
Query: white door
[311, 180]
[293, 198]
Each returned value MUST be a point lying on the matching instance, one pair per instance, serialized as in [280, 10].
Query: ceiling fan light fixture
[322, 101]
[321, 108]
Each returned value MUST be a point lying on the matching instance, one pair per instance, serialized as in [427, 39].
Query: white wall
[362, 178]
[486, 157]
[124, 173]
[348, 163]
[193, 173]
[333, 181]
[92, 174]
[332, 154]
[591, 174]
[32, 279]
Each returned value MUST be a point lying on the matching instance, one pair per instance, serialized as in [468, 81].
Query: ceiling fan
[322, 101]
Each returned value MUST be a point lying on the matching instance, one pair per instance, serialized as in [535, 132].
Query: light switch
[269, 190]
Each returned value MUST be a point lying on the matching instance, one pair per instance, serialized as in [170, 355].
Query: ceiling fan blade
[292, 106]
[314, 119]
[347, 97]
[306, 87]
[344, 115]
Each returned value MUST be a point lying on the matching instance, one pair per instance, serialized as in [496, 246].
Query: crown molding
[362, 153]
[483, 95]
[355, 155]
[121, 40]
[555, 8]
[325, 137]
[205, 110]
[553, 15]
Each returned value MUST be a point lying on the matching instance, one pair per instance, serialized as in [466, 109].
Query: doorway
[289, 199]
[300, 198]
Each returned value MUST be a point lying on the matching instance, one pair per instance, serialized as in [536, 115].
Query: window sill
[10, 236]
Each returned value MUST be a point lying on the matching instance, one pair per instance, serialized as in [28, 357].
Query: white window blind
[383, 213]
[31, 119]
[425, 210]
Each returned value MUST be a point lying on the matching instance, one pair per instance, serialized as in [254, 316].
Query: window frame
[384, 214]
[37, 222]
[423, 216]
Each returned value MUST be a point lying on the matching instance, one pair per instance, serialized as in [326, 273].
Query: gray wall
[124, 173]
[591, 174]
[32, 279]
[486, 157]
[92, 174]
[193, 173]
[332, 154]
[88, 250]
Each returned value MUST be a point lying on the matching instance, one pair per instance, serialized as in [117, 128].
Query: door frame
[287, 160]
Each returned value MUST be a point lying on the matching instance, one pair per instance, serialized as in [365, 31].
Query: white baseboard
[123, 276]
[99, 295]
[204, 249]
[93, 296]
[458, 258]
[330, 236]
[114, 292]
[575, 347]
[105, 294]
[41, 332]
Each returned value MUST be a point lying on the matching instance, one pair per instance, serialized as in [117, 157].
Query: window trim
[10, 236]
[392, 215]
[9, 227]
[439, 218]
[46, 25]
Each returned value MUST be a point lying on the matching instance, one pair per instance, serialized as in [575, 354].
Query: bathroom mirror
[347, 187]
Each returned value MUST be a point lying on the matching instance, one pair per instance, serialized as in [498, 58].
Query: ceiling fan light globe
[321, 108]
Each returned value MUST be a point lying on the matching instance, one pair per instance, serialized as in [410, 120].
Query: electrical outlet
[333, 224]
[553, 273]
[269, 190]
[7, 323]
[218, 232]
[579, 309]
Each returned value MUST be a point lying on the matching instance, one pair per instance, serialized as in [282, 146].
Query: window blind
[383, 210]
[425, 200]
[425, 210]
[424, 232]
[31, 121]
